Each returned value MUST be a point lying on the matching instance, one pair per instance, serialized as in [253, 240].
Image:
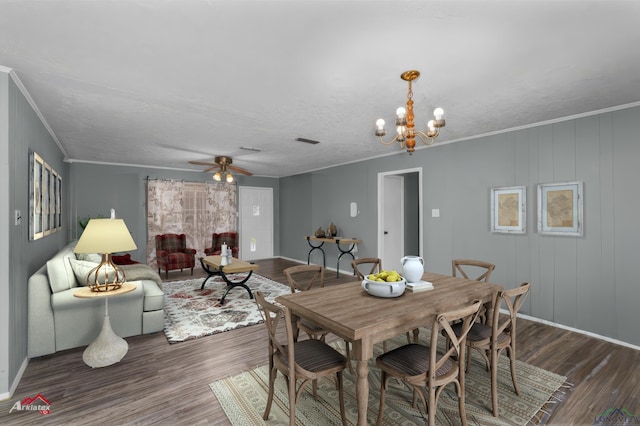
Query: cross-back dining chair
[465, 267]
[423, 367]
[303, 278]
[491, 340]
[371, 264]
[305, 360]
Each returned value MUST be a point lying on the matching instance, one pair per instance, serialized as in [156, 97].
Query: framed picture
[45, 198]
[509, 209]
[560, 209]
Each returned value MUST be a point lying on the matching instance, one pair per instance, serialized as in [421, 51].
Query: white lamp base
[107, 349]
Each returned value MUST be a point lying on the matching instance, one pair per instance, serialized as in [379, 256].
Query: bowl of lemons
[384, 284]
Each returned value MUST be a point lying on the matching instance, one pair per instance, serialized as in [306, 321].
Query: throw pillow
[89, 257]
[124, 259]
[82, 268]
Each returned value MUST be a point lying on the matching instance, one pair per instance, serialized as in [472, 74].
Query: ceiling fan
[223, 164]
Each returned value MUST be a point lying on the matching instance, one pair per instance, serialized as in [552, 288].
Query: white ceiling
[161, 82]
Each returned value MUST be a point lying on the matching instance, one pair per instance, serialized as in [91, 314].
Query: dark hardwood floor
[159, 383]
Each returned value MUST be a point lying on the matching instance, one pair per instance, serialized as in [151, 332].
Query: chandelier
[405, 125]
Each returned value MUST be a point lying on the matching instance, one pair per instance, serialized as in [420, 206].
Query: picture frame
[45, 198]
[509, 209]
[560, 209]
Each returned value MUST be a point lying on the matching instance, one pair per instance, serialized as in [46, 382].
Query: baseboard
[16, 381]
[577, 330]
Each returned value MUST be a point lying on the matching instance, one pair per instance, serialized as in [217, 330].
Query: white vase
[412, 268]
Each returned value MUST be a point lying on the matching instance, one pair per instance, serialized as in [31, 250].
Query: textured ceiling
[159, 83]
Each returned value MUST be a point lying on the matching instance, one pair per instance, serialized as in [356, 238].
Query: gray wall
[96, 189]
[22, 131]
[584, 282]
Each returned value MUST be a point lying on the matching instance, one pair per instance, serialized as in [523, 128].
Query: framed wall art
[560, 209]
[45, 198]
[509, 209]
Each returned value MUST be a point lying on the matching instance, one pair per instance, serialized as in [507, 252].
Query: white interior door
[255, 207]
[391, 207]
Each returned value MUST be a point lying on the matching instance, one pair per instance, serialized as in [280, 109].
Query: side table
[108, 348]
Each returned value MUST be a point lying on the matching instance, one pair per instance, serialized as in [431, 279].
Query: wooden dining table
[349, 312]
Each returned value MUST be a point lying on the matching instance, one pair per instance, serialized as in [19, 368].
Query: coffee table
[213, 266]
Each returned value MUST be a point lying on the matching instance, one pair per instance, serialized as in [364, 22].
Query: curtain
[196, 209]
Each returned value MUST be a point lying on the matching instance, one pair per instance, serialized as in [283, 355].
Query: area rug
[243, 397]
[191, 313]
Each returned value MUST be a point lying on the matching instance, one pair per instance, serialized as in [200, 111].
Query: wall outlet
[435, 212]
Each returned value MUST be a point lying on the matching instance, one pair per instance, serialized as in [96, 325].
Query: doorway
[400, 218]
[256, 222]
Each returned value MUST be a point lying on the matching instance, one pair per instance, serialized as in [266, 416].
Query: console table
[349, 242]
[108, 348]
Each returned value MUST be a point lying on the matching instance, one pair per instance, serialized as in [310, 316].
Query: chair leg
[463, 412]
[272, 379]
[512, 359]
[432, 405]
[292, 402]
[494, 382]
[383, 385]
[166, 274]
[343, 412]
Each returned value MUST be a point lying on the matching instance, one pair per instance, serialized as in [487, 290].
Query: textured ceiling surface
[158, 83]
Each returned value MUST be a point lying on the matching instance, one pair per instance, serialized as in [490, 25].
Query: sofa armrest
[41, 326]
[190, 251]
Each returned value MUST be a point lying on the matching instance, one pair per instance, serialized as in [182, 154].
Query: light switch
[435, 212]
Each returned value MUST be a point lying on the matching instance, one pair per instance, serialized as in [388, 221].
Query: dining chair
[478, 270]
[373, 264]
[306, 360]
[303, 278]
[466, 266]
[491, 340]
[422, 366]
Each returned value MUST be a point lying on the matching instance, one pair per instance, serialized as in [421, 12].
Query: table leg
[108, 348]
[362, 352]
[232, 284]
[342, 253]
[210, 272]
[318, 247]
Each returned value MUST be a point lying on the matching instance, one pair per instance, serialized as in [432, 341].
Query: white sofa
[57, 320]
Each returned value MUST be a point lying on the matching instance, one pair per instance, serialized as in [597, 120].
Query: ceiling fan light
[217, 176]
[229, 178]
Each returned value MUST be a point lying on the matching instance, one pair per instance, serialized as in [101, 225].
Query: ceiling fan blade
[202, 163]
[212, 168]
[239, 170]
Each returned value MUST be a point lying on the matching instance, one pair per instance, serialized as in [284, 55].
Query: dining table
[363, 320]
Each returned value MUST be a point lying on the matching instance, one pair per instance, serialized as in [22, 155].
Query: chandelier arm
[426, 139]
[382, 141]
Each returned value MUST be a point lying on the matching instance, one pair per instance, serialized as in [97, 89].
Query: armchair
[172, 253]
[229, 238]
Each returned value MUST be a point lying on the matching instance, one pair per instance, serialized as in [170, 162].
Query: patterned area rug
[191, 313]
[243, 397]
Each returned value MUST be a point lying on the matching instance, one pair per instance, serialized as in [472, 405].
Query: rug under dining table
[243, 397]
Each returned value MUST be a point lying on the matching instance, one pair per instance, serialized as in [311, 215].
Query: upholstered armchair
[229, 238]
[172, 253]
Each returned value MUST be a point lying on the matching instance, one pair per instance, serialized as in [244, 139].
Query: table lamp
[105, 236]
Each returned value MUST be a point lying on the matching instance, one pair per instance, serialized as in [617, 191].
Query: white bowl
[383, 288]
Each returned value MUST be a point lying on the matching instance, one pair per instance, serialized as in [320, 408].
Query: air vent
[305, 140]
[250, 148]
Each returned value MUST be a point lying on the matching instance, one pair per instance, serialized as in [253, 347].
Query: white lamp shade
[105, 236]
